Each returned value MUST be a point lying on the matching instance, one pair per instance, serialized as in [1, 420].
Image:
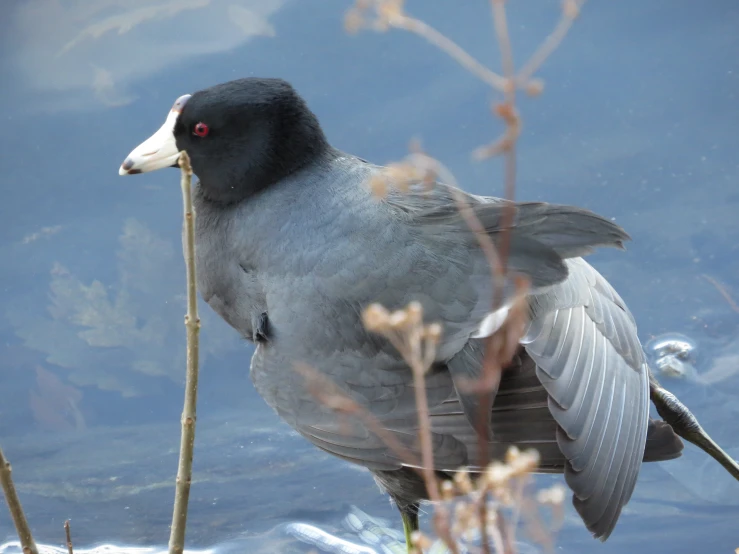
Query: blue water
[639, 121]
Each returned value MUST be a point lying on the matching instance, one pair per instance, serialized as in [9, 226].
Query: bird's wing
[541, 237]
[584, 342]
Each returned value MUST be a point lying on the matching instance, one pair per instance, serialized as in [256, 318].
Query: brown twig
[417, 345]
[192, 324]
[68, 533]
[329, 394]
[14, 506]
[447, 45]
[570, 11]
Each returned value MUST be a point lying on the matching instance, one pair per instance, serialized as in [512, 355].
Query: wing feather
[590, 361]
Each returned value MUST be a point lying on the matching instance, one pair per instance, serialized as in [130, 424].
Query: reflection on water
[638, 121]
[114, 335]
[81, 55]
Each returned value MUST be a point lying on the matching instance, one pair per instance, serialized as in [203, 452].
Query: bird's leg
[685, 424]
[409, 515]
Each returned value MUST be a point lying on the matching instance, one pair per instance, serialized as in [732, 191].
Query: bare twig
[326, 392]
[68, 533]
[329, 394]
[450, 47]
[192, 324]
[570, 11]
[417, 344]
[15, 508]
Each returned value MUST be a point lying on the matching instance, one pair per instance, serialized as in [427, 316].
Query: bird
[292, 245]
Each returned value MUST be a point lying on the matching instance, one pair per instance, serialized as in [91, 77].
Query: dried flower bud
[463, 482]
[570, 9]
[512, 455]
[522, 463]
[376, 318]
[378, 186]
[447, 490]
[497, 475]
[433, 332]
[419, 540]
[405, 174]
[534, 87]
[390, 10]
[415, 312]
[399, 319]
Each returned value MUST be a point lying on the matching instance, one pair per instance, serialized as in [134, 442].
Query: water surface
[638, 121]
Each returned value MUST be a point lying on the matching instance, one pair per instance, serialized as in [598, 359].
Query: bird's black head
[241, 136]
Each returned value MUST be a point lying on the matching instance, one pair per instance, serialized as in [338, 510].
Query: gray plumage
[291, 246]
[313, 258]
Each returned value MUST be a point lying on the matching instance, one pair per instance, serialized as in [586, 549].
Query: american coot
[292, 245]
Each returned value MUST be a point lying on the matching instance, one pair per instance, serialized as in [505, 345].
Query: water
[638, 121]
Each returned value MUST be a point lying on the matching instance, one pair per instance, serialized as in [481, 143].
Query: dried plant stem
[482, 515]
[68, 533]
[492, 369]
[326, 392]
[424, 30]
[424, 422]
[500, 23]
[497, 535]
[192, 324]
[419, 357]
[15, 508]
[570, 11]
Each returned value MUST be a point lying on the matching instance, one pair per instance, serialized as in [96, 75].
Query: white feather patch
[492, 322]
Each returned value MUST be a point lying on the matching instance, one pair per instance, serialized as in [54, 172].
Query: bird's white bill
[159, 150]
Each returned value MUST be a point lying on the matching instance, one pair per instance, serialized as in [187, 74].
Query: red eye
[201, 130]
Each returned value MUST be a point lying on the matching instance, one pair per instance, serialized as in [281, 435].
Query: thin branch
[15, 508]
[424, 419]
[500, 22]
[424, 30]
[329, 394]
[430, 166]
[192, 324]
[570, 11]
[68, 533]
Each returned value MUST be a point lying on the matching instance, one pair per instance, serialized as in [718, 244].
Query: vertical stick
[68, 533]
[192, 324]
[14, 505]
